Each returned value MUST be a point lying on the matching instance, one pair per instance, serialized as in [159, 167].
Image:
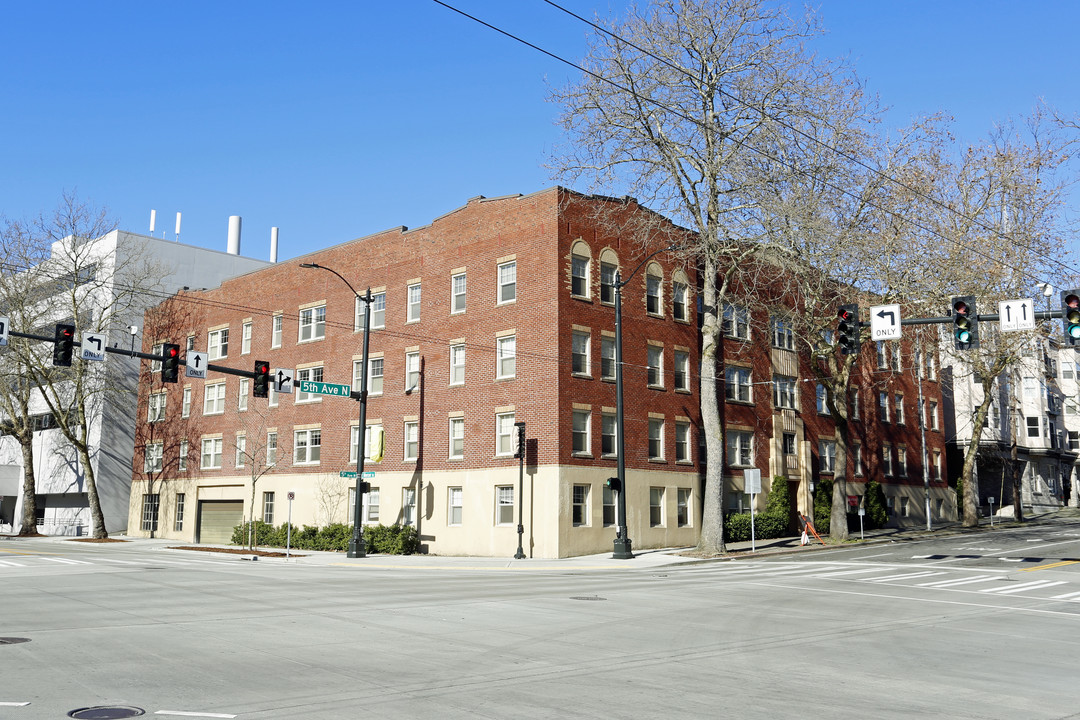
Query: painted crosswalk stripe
[963, 581]
[66, 561]
[11, 563]
[906, 576]
[1066, 596]
[1034, 585]
[122, 562]
[841, 573]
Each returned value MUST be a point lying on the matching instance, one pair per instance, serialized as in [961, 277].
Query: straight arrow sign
[1014, 315]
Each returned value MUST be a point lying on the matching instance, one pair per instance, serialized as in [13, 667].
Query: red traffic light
[173, 351]
[262, 368]
[843, 314]
[960, 307]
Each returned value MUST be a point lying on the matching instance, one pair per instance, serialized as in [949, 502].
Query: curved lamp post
[356, 542]
[623, 547]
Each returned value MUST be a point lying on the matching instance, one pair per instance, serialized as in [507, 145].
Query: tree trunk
[969, 478]
[1017, 472]
[838, 529]
[29, 489]
[711, 538]
[97, 518]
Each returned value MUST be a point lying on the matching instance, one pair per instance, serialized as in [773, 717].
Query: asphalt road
[962, 626]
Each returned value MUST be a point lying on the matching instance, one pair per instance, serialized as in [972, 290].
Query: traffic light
[63, 345]
[261, 387]
[847, 329]
[1070, 316]
[170, 363]
[613, 484]
[965, 322]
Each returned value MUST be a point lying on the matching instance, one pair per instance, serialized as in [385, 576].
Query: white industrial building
[62, 503]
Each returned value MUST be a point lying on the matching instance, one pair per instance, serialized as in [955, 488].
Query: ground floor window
[656, 507]
[504, 505]
[151, 503]
[178, 524]
[684, 507]
[581, 505]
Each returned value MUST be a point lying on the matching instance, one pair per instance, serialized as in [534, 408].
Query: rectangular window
[454, 505]
[736, 322]
[886, 460]
[408, 506]
[214, 398]
[504, 504]
[787, 444]
[178, 523]
[656, 366]
[579, 276]
[681, 370]
[826, 456]
[151, 504]
[312, 324]
[656, 507]
[607, 435]
[375, 376]
[580, 432]
[185, 405]
[189, 344]
[822, 399]
[883, 406]
[181, 460]
[378, 311]
[901, 461]
[932, 408]
[217, 344]
[679, 308]
[242, 396]
[581, 505]
[271, 448]
[607, 358]
[241, 451]
[312, 374]
[457, 293]
[897, 364]
[931, 365]
[307, 447]
[737, 384]
[782, 335]
[412, 440]
[457, 364]
[1032, 427]
[682, 441]
[457, 438]
[1074, 440]
[412, 371]
[608, 499]
[506, 357]
[882, 359]
[504, 434]
[245, 338]
[276, 332]
[370, 509]
[268, 508]
[412, 306]
[211, 454]
[899, 399]
[154, 452]
[853, 399]
[652, 294]
[157, 349]
[507, 282]
[607, 283]
[156, 407]
[656, 439]
[683, 507]
[740, 448]
[373, 443]
[579, 353]
[905, 507]
[784, 392]
[856, 457]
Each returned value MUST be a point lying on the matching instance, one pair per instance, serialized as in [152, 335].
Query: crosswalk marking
[65, 560]
[907, 576]
[1034, 585]
[842, 573]
[1066, 596]
[11, 563]
[963, 581]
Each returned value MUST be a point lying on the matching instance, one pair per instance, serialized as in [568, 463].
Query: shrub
[823, 505]
[877, 510]
[772, 523]
[391, 539]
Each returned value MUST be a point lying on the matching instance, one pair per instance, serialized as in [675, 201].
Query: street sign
[752, 481]
[292, 495]
[1016, 315]
[3, 331]
[92, 346]
[196, 365]
[323, 388]
[283, 380]
[368, 474]
[885, 322]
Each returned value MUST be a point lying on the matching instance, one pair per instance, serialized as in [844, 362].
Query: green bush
[772, 523]
[877, 510]
[823, 505]
[391, 539]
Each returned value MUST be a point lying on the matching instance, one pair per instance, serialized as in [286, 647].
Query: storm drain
[13, 640]
[106, 712]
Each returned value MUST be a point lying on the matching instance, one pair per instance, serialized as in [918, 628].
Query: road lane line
[1033, 585]
[1066, 596]
[1037, 587]
[185, 713]
[1063, 563]
[66, 561]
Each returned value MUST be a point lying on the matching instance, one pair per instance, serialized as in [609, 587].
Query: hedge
[771, 523]
[390, 540]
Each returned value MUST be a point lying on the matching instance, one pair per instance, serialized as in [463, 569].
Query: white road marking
[14, 704]
[11, 563]
[964, 581]
[66, 561]
[186, 713]
[905, 576]
[848, 572]
[1033, 585]
[1066, 596]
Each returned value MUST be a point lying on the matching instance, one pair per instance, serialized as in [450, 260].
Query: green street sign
[368, 474]
[323, 388]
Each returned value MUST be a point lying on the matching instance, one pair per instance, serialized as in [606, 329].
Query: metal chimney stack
[234, 235]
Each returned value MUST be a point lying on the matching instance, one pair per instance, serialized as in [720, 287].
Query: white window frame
[579, 505]
[654, 294]
[580, 362]
[242, 395]
[307, 447]
[455, 506]
[740, 448]
[655, 355]
[214, 398]
[504, 434]
[413, 299]
[410, 440]
[826, 456]
[607, 289]
[738, 384]
[412, 371]
[277, 331]
[681, 370]
[210, 458]
[155, 407]
[680, 299]
[312, 325]
[271, 447]
[506, 357]
[504, 505]
[785, 392]
[682, 442]
[783, 336]
[185, 403]
[579, 276]
[457, 364]
[608, 435]
[456, 438]
[241, 451]
[656, 436]
[580, 433]
[506, 279]
[182, 456]
[310, 374]
[378, 311]
[245, 339]
[735, 322]
[217, 344]
[458, 289]
[607, 358]
[153, 455]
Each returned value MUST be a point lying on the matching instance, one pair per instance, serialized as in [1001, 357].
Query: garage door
[217, 518]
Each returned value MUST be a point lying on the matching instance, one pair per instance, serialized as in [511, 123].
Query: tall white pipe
[177, 227]
[234, 235]
[273, 244]
[153, 220]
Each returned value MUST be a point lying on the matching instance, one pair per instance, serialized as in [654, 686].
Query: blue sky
[342, 119]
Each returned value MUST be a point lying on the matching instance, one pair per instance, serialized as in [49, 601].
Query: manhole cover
[106, 712]
[588, 597]
[12, 640]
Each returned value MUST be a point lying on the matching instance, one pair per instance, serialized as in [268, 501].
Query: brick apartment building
[498, 312]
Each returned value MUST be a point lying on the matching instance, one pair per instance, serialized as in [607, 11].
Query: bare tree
[680, 104]
[259, 449]
[330, 494]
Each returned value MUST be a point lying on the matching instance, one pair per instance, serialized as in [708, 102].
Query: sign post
[752, 480]
[288, 526]
[991, 512]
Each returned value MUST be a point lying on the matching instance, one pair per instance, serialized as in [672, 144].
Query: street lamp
[623, 546]
[356, 542]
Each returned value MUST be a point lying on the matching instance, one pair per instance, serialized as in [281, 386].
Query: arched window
[680, 296]
[580, 257]
[654, 281]
[609, 264]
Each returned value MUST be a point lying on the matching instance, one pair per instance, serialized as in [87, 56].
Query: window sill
[586, 455]
[609, 456]
[684, 391]
[689, 463]
[303, 342]
[681, 321]
[607, 379]
[412, 322]
[582, 376]
[659, 461]
[506, 302]
[582, 298]
[302, 402]
[748, 403]
[503, 379]
[656, 387]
